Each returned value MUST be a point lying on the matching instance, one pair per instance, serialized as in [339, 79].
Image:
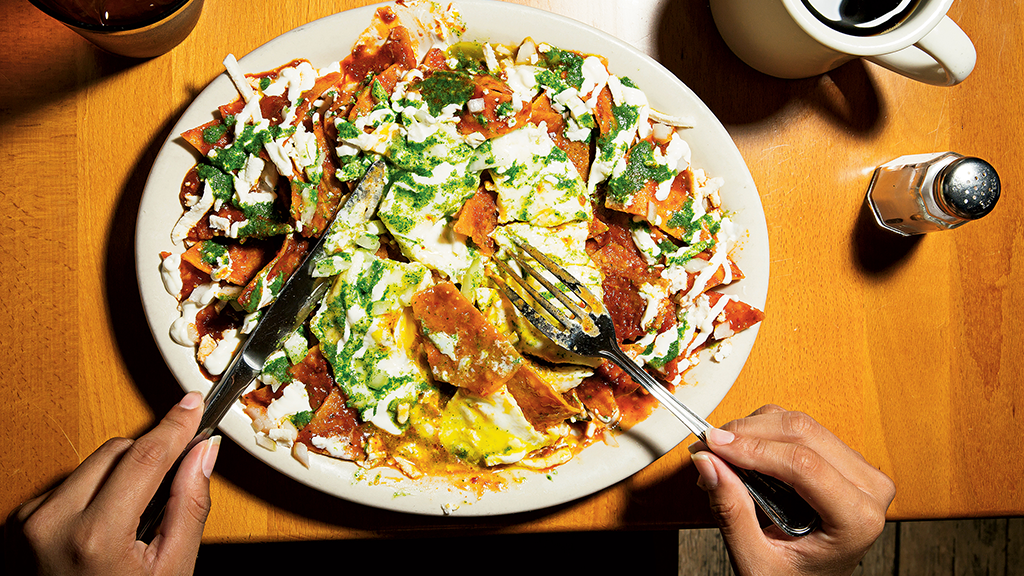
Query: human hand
[87, 524]
[850, 495]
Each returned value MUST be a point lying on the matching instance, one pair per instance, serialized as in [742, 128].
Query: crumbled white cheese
[238, 78]
[445, 343]
[490, 59]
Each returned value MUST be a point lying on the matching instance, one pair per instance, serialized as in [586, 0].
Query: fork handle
[778, 500]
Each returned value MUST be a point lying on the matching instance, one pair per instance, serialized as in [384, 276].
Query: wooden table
[910, 350]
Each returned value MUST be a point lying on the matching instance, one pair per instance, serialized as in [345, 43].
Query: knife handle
[301, 292]
[154, 512]
[219, 400]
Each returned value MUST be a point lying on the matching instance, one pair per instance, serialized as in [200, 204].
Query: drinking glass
[127, 27]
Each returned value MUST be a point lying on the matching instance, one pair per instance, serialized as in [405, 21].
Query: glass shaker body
[903, 195]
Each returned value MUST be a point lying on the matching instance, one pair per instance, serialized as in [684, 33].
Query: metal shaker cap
[968, 187]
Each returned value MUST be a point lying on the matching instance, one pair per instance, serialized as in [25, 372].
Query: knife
[293, 305]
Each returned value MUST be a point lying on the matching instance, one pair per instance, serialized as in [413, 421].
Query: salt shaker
[927, 192]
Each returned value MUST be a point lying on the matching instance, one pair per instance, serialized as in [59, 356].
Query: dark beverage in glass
[135, 28]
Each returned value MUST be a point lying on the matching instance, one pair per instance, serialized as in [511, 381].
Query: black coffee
[861, 17]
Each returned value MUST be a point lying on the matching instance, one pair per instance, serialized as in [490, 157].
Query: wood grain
[933, 548]
[955, 548]
[908, 349]
[702, 552]
[880, 560]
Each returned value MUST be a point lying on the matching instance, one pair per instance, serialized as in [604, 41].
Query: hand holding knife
[291, 308]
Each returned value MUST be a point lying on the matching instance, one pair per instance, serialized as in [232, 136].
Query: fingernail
[210, 455]
[720, 437]
[708, 476]
[191, 401]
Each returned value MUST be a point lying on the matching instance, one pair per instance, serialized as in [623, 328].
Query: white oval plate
[331, 38]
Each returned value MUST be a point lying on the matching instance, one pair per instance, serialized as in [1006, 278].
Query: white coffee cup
[784, 38]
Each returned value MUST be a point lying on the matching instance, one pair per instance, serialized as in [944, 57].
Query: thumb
[732, 507]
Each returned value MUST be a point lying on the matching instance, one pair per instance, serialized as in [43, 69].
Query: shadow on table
[664, 501]
[44, 61]
[688, 44]
[878, 252]
[131, 330]
[650, 553]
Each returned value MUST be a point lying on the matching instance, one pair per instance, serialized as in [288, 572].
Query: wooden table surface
[910, 350]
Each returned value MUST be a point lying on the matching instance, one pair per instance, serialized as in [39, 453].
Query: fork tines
[580, 303]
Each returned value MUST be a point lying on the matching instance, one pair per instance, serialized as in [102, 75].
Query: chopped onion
[301, 453]
[609, 438]
[263, 441]
[677, 121]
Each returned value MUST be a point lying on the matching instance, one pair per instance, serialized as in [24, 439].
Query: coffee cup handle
[944, 57]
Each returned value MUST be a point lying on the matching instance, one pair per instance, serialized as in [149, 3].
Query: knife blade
[300, 294]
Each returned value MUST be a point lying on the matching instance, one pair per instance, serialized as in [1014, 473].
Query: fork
[591, 332]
